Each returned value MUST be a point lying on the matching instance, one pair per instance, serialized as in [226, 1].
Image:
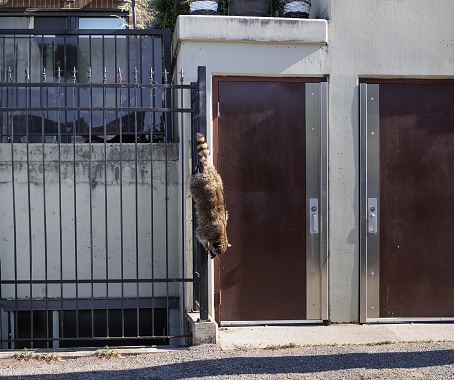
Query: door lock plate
[313, 216]
[372, 216]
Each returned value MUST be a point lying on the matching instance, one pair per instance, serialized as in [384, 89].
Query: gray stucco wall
[370, 38]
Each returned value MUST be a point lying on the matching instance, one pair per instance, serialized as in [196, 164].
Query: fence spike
[104, 75]
[74, 74]
[89, 73]
[151, 75]
[10, 74]
[136, 75]
[27, 74]
[44, 74]
[120, 79]
[59, 70]
[181, 72]
[166, 73]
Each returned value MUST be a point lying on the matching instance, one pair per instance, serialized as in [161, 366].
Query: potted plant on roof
[203, 7]
[258, 8]
[296, 8]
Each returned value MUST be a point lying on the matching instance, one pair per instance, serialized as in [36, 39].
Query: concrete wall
[368, 38]
[69, 195]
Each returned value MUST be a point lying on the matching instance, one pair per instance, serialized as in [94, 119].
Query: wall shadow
[260, 365]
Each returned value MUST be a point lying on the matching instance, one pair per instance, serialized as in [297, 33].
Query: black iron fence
[91, 250]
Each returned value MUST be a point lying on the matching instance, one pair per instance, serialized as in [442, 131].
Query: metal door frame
[317, 202]
[369, 189]
[369, 207]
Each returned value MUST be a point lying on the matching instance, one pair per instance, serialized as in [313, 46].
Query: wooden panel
[417, 200]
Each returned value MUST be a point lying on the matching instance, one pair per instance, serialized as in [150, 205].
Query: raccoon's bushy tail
[203, 150]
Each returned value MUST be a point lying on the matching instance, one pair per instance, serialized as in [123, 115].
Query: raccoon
[208, 194]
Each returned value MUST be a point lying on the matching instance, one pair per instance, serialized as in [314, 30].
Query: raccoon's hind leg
[196, 169]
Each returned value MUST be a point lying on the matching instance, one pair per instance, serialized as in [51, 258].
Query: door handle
[372, 216]
[313, 216]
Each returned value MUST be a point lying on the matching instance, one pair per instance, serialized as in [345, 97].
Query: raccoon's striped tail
[203, 150]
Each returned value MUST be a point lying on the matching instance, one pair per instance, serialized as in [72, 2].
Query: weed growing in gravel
[49, 357]
[379, 343]
[24, 355]
[107, 353]
[281, 346]
[242, 347]
[27, 355]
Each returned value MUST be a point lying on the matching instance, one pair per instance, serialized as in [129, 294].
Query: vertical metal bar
[119, 104]
[30, 232]
[76, 250]
[183, 200]
[136, 215]
[76, 120]
[152, 105]
[43, 114]
[202, 121]
[106, 219]
[90, 173]
[166, 175]
[13, 181]
[194, 158]
[138, 102]
[60, 212]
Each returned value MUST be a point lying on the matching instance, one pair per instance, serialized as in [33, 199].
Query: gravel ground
[434, 360]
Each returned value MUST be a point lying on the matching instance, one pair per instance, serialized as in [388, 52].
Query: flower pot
[203, 7]
[259, 8]
[297, 9]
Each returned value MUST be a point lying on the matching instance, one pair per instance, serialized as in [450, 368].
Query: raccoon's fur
[208, 194]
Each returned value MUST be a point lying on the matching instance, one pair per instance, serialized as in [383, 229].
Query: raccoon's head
[217, 248]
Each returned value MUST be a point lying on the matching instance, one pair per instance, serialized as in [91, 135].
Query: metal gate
[89, 193]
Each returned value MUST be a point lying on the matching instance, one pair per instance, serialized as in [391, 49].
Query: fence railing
[90, 190]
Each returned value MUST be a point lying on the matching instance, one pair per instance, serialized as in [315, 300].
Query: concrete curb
[345, 334]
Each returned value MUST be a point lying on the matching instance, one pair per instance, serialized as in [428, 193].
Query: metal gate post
[200, 255]
[203, 283]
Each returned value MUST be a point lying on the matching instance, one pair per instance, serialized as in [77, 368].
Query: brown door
[261, 156]
[413, 254]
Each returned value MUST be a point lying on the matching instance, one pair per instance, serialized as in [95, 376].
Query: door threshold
[410, 320]
[287, 322]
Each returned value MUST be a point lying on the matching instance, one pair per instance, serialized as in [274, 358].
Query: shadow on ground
[260, 365]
